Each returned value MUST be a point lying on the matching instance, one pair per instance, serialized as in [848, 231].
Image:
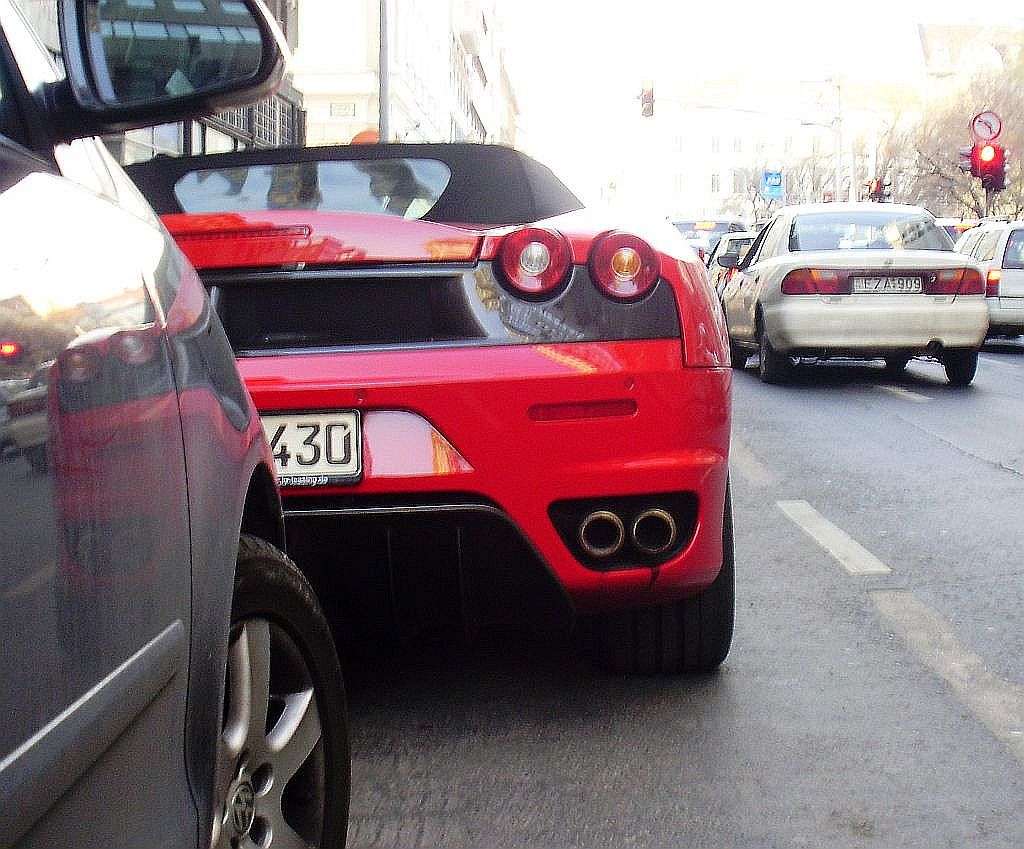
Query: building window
[716, 184]
[716, 144]
[737, 145]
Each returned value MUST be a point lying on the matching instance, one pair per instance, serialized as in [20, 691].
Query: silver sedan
[858, 280]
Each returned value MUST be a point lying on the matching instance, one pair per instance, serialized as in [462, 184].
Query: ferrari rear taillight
[955, 281]
[992, 282]
[815, 281]
[624, 266]
[535, 261]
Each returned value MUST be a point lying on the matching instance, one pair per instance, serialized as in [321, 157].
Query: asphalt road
[874, 695]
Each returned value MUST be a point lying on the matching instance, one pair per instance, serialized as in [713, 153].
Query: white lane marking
[856, 559]
[905, 394]
[743, 460]
[998, 704]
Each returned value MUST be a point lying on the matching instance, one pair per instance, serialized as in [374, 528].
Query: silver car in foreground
[167, 675]
[858, 280]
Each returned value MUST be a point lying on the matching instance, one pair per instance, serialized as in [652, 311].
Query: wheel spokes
[248, 687]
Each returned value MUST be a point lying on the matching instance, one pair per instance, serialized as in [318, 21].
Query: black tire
[738, 355]
[692, 635]
[896, 364]
[772, 367]
[961, 365]
[283, 755]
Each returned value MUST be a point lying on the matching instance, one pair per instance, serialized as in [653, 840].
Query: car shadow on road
[1013, 347]
[537, 672]
[821, 374]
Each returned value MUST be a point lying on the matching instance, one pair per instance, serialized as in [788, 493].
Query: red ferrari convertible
[487, 403]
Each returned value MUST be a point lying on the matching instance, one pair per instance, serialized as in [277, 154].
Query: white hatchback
[998, 248]
[858, 280]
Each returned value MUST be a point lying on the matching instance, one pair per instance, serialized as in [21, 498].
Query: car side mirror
[133, 64]
[729, 260]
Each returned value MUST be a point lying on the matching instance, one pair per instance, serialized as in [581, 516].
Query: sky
[575, 65]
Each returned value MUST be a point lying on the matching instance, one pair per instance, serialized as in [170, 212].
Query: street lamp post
[383, 76]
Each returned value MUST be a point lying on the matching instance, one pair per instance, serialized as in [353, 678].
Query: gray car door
[94, 546]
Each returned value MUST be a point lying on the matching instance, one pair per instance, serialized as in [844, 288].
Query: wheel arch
[261, 513]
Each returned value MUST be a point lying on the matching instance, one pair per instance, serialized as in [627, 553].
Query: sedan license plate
[886, 285]
[315, 449]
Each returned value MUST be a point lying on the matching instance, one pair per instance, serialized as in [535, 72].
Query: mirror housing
[130, 67]
[729, 260]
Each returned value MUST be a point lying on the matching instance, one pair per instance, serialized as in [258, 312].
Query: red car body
[525, 454]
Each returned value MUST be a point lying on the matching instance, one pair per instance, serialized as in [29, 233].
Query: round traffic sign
[986, 126]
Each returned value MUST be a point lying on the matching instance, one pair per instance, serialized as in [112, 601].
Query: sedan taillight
[992, 283]
[815, 281]
[955, 281]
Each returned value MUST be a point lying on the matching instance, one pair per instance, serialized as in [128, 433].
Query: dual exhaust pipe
[603, 533]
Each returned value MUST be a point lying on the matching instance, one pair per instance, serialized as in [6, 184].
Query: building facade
[434, 67]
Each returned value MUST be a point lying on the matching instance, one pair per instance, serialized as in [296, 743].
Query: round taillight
[624, 266]
[535, 261]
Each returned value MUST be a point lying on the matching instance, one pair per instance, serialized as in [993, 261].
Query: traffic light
[992, 166]
[10, 351]
[647, 101]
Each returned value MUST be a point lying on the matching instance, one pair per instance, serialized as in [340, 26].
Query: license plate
[315, 449]
[887, 285]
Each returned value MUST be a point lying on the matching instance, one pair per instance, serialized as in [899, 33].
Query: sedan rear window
[403, 187]
[882, 230]
[1013, 256]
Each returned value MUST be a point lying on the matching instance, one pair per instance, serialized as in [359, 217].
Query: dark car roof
[490, 185]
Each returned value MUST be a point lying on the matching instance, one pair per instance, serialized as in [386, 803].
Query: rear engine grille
[268, 312]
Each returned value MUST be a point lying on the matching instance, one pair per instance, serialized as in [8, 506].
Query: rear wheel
[282, 757]
[896, 364]
[961, 366]
[738, 355]
[773, 366]
[691, 635]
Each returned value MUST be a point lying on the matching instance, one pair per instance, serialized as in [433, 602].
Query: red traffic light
[9, 350]
[988, 161]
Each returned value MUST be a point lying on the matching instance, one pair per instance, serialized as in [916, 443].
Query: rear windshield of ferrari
[881, 230]
[403, 187]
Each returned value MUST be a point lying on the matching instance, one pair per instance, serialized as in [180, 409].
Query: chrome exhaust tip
[601, 534]
[654, 531]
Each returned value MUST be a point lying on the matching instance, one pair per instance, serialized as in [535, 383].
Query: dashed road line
[744, 461]
[998, 704]
[856, 559]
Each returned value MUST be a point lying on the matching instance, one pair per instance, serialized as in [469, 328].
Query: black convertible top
[489, 185]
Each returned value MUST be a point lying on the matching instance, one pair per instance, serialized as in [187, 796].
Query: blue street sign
[771, 185]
